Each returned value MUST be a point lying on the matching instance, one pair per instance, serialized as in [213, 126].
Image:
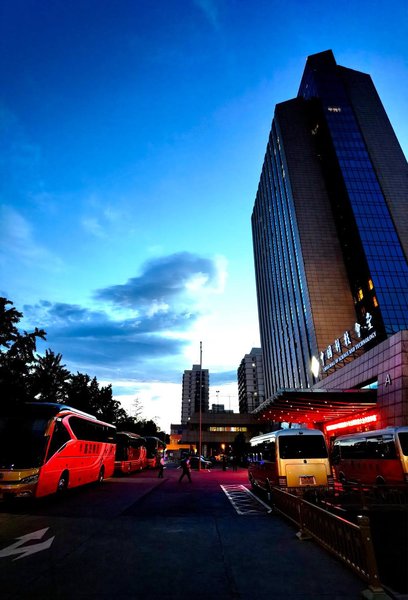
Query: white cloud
[18, 242]
[210, 10]
[160, 401]
[156, 307]
[101, 219]
[93, 226]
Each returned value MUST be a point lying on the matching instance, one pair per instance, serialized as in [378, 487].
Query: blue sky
[132, 139]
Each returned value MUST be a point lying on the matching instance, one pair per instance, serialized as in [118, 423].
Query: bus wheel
[62, 485]
[101, 475]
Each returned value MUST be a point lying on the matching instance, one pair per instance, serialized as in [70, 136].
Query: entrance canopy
[315, 406]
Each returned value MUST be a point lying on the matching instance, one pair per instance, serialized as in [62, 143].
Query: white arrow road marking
[27, 550]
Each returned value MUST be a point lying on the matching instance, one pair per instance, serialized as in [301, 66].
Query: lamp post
[201, 397]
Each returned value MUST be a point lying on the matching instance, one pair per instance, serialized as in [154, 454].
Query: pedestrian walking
[185, 466]
[161, 468]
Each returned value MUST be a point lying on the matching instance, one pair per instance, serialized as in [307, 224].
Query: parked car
[205, 464]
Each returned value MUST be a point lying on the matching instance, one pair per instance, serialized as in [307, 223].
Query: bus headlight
[30, 479]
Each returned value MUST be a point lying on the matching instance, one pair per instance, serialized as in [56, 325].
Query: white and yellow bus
[290, 458]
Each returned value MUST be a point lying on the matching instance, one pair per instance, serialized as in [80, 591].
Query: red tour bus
[46, 448]
[131, 453]
[155, 449]
[372, 457]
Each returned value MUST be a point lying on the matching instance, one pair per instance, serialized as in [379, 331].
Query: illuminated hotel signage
[345, 346]
[352, 423]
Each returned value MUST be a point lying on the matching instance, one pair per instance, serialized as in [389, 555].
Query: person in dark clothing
[161, 468]
[185, 465]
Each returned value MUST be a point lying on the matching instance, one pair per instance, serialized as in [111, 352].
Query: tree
[85, 394]
[17, 355]
[25, 376]
[82, 392]
[107, 408]
[240, 446]
[9, 317]
[137, 409]
[49, 378]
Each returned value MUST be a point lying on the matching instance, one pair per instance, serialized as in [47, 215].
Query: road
[144, 537]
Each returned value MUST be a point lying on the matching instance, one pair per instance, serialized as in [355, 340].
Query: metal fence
[351, 543]
[374, 496]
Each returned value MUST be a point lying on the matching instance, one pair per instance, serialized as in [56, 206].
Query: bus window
[387, 448]
[269, 452]
[88, 430]
[310, 446]
[59, 438]
[346, 448]
[403, 439]
[373, 447]
[22, 441]
[335, 457]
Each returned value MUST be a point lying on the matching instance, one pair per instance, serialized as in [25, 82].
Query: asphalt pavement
[141, 537]
[256, 554]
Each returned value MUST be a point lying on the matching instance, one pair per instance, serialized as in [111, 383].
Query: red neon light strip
[360, 421]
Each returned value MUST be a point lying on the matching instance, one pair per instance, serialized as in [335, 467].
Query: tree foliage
[9, 317]
[17, 355]
[49, 378]
[27, 376]
[240, 446]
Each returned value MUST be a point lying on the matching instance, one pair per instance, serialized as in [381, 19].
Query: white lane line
[244, 501]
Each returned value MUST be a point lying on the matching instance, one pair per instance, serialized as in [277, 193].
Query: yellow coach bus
[290, 458]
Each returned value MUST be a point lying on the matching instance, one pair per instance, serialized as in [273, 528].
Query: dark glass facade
[329, 231]
[373, 254]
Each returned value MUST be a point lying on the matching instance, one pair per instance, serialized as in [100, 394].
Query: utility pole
[201, 408]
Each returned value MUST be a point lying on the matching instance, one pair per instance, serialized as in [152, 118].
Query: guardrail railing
[351, 543]
[374, 495]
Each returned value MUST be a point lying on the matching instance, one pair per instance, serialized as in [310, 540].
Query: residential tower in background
[251, 390]
[196, 387]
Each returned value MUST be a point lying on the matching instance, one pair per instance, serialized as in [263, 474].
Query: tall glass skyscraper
[330, 224]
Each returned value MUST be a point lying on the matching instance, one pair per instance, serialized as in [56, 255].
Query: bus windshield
[22, 441]
[302, 446]
[403, 438]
